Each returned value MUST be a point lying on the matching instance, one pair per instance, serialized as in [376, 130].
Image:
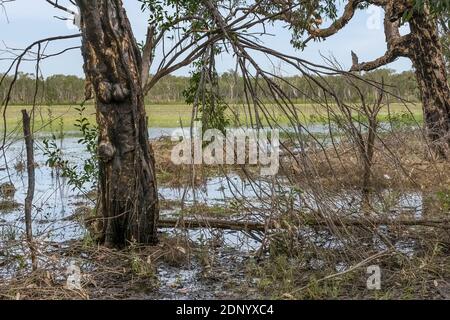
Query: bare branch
[15, 65]
[397, 46]
[338, 24]
[56, 5]
[147, 54]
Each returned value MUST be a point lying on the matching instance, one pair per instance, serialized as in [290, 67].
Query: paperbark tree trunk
[426, 53]
[127, 196]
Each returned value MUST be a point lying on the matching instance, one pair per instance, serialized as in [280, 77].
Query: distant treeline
[64, 89]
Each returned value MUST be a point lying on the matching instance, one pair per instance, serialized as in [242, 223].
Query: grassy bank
[57, 118]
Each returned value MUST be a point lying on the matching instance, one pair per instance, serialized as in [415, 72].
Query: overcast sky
[29, 20]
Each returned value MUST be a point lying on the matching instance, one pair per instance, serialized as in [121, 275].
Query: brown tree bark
[28, 135]
[127, 197]
[426, 53]
[423, 46]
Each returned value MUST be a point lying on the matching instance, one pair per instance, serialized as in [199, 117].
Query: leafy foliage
[436, 6]
[78, 176]
[212, 105]
[192, 18]
[165, 13]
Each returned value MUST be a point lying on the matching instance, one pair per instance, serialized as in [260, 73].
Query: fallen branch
[202, 222]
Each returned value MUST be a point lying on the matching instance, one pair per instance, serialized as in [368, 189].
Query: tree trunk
[427, 56]
[128, 197]
[28, 135]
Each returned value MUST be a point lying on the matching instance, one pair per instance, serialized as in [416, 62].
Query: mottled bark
[427, 56]
[422, 45]
[127, 198]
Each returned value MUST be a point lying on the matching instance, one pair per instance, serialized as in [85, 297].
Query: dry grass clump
[105, 273]
[314, 271]
[400, 161]
[172, 175]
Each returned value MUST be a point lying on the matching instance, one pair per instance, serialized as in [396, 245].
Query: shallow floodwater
[55, 202]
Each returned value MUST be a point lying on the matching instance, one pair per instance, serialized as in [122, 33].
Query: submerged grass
[61, 118]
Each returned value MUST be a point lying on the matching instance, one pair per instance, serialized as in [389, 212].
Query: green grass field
[61, 118]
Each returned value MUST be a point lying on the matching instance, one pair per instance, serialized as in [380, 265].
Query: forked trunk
[127, 198]
[427, 56]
